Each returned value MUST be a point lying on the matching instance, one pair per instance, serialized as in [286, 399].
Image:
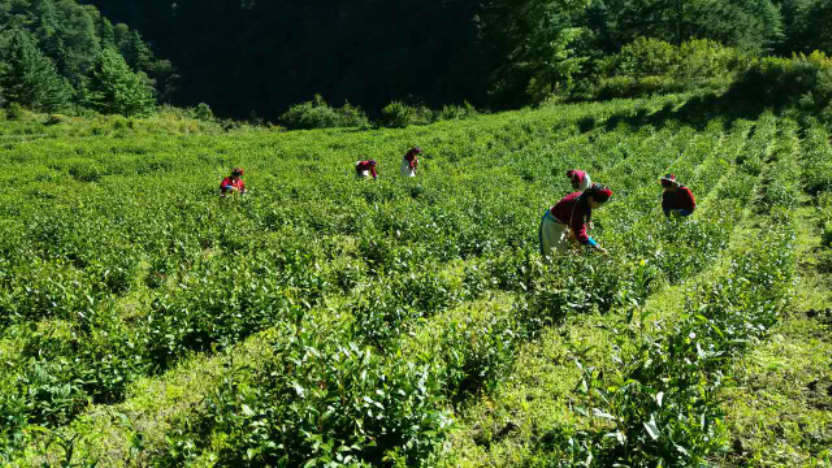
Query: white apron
[554, 237]
[406, 170]
[361, 174]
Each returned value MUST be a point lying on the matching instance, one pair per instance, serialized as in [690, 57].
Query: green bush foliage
[453, 112]
[399, 114]
[318, 114]
[804, 80]
[649, 66]
[351, 407]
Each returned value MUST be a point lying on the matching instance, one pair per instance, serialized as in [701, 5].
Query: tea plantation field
[324, 321]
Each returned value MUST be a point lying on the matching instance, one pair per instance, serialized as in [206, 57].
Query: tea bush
[321, 400]
[662, 403]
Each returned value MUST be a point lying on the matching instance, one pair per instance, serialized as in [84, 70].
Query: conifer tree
[106, 33]
[528, 44]
[30, 78]
[115, 89]
[135, 52]
[749, 24]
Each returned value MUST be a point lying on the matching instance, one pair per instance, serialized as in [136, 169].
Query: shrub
[650, 66]
[701, 59]
[57, 119]
[318, 114]
[17, 112]
[452, 112]
[399, 114]
[646, 57]
[804, 80]
[85, 172]
[625, 86]
[204, 112]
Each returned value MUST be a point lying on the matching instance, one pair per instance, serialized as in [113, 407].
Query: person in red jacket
[233, 184]
[410, 162]
[677, 200]
[566, 223]
[363, 169]
[580, 179]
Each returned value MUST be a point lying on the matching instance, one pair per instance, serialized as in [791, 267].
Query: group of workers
[564, 227]
[234, 185]
[369, 168]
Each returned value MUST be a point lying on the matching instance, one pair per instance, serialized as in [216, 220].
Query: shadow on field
[698, 112]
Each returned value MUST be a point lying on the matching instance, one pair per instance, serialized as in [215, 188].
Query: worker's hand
[603, 251]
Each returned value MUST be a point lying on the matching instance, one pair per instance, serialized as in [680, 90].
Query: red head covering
[599, 193]
[237, 171]
[416, 150]
[669, 180]
[570, 173]
[373, 162]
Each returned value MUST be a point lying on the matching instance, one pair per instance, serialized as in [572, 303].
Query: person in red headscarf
[233, 184]
[567, 223]
[677, 200]
[580, 179]
[410, 162]
[364, 169]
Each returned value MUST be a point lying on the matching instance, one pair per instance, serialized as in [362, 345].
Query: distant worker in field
[677, 200]
[580, 179]
[410, 162]
[233, 184]
[364, 169]
[564, 226]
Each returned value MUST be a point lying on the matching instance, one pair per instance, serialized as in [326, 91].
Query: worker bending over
[364, 169]
[233, 184]
[565, 225]
[677, 200]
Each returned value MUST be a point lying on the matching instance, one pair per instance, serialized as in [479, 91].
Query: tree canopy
[50, 51]
[30, 78]
[251, 56]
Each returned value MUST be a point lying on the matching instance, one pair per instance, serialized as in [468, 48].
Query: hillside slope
[324, 321]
